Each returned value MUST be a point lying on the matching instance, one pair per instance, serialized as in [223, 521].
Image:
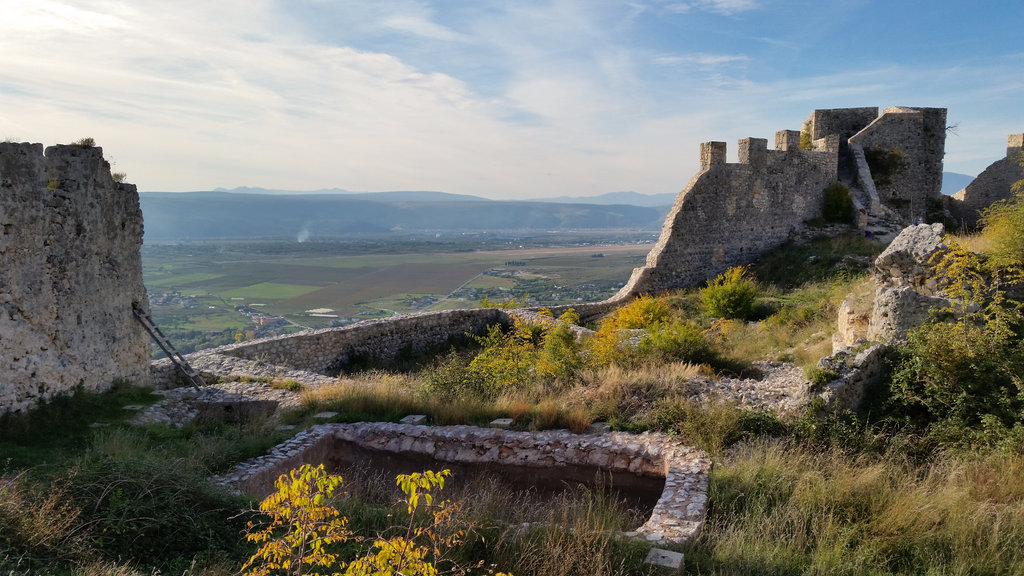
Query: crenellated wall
[70, 269]
[730, 214]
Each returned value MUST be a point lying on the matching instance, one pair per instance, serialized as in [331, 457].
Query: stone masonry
[70, 270]
[993, 184]
[677, 517]
[730, 214]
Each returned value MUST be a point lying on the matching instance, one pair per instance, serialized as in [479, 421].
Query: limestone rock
[907, 260]
[905, 289]
[899, 309]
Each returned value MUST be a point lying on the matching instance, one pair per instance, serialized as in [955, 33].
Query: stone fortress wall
[730, 214]
[70, 270]
[990, 186]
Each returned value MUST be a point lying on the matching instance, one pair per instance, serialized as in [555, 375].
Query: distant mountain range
[177, 216]
[953, 182]
[260, 213]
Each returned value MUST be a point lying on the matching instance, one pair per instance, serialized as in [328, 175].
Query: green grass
[270, 291]
[61, 427]
[184, 280]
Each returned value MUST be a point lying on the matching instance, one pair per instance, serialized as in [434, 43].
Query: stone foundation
[677, 517]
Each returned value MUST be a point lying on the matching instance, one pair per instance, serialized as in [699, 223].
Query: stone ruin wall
[730, 214]
[920, 134]
[70, 269]
[993, 184]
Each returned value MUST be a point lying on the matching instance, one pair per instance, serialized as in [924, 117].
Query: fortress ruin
[71, 268]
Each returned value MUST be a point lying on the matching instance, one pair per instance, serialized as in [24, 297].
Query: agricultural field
[210, 294]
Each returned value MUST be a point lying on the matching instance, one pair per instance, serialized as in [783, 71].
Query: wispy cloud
[702, 59]
[503, 99]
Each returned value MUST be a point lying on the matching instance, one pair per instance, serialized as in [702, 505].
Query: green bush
[730, 295]
[838, 206]
[84, 143]
[675, 342]
[965, 375]
[885, 164]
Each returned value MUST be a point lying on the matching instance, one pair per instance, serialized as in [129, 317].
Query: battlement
[712, 153]
[787, 140]
[753, 151]
[1014, 145]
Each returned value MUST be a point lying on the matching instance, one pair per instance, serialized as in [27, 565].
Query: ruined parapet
[787, 140]
[843, 122]
[730, 214]
[70, 270]
[918, 135]
[992, 185]
[712, 153]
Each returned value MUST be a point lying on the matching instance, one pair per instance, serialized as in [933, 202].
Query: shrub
[885, 164]
[965, 374]
[730, 295]
[838, 206]
[644, 311]
[562, 357]
[677, 341]
[84, 143]
[1004, 228]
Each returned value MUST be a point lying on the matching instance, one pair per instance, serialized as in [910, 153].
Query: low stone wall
[317, 356]
[677, 517]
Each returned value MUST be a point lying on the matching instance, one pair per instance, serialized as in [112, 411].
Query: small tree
[303, 524]
[838, 206]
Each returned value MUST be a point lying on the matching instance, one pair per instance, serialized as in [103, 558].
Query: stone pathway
[782, 388]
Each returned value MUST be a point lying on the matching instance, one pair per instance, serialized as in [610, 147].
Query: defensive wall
[730, 214]
[70, 270]
[990, 186]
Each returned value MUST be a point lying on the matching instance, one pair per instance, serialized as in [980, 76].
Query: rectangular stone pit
[651, 471]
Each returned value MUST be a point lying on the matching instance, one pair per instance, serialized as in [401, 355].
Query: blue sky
[509, 99]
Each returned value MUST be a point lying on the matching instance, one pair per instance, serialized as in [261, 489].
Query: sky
[509, 99]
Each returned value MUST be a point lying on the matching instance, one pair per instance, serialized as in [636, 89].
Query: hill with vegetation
[927, 479]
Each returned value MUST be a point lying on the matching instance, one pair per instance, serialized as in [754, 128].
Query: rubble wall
[992, 185]
[70, 270]
[730, 214]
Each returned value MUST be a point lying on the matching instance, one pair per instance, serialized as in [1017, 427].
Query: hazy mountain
[396, 196]
[172, 216]
[627, 197]
[953, 182]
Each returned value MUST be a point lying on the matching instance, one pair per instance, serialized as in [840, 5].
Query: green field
[202, 287]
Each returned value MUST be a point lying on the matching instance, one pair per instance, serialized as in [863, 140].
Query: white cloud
[702, 59]
[728, 6]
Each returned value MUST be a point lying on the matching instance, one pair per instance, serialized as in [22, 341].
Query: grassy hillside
[929, 480]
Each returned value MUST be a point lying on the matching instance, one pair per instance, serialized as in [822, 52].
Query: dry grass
[618, 392]
[779, 508]
[977, 242]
